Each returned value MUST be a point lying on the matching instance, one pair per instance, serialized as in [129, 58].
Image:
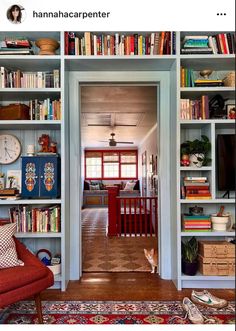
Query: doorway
[162, 80]
[118, 126]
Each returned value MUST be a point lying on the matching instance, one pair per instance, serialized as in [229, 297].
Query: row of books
[36, 219]
[155, 43]
[195, 188]
[191, 223]
[221, 43]
[187, 79]
[195, 109]
[45, 109]
[19, 79]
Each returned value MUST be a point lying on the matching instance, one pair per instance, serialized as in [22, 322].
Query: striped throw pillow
[8, 254]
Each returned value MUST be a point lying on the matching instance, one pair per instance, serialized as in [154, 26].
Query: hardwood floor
[124, 286]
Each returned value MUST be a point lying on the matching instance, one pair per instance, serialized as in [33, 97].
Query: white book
[195, 37]
[152, 43]
[95, 45]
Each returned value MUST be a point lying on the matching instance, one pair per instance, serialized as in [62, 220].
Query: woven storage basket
[229, 80]
[216, 267]
[216, 249]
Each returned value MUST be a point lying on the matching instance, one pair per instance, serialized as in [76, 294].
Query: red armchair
[19, 283]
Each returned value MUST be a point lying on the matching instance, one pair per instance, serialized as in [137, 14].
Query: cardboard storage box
[16, 111]
[216, 249]
[216, 267]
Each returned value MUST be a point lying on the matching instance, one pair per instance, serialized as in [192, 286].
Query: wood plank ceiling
[128, 111]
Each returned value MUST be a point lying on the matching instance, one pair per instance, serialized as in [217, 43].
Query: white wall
[149, 144]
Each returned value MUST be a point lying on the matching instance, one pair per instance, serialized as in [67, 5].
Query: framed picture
[144, 174]
[14, 179]
[231, 112]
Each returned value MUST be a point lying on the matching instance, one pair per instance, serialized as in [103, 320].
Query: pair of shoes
[206, 299]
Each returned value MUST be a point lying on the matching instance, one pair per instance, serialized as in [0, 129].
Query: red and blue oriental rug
[110, 312]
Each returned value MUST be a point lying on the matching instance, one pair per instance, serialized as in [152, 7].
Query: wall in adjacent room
[149, 144]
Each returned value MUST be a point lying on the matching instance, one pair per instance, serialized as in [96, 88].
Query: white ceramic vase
[194, 162]
[221, 223]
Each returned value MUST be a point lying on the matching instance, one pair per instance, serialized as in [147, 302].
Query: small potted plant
[189, 256]
[197, 150]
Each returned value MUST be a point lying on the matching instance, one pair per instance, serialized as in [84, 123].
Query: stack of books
[208, 82]
[30, 219]
[155, 43]
[196, 188]
[195, 109]
[15, 46]
[18, 79]
[191, 223]
[196, 45]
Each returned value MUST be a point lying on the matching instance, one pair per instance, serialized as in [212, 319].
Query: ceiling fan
[112, 142]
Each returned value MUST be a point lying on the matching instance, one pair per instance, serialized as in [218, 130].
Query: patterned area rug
[110, 312]
[114, 254]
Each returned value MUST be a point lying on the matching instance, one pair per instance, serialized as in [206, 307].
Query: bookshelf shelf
[208, 234]
[205, 278]
[37, 125]
[213, 201]
[38, 235]
[31, 202]
[195, 169]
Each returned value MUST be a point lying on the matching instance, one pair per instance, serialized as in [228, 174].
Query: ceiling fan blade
[103, 141]
[124, 142]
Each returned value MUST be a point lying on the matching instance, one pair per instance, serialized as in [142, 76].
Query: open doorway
[119, 149]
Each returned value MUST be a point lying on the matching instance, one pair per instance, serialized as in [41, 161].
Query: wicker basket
[229, 80]
[216, 249]
[216, 267]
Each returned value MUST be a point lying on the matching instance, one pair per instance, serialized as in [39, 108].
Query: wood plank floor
[124, 286]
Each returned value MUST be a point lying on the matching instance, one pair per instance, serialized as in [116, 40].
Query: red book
[66, 43]
[131, 45]
[222, 39]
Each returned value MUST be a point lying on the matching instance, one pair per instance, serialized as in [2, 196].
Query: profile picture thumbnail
[16, 14]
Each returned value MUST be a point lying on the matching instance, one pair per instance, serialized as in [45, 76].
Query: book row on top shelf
[87, 43]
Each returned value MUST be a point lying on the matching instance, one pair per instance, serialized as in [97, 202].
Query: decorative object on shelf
[48, 46]
[196, 210]
[14, 111]
[14, 180]
[231, 112]
[229, 80]
[197, 151]
[185, 162]
[217, 107]
[46, 259]
[2, 180]
[206, 73]
[10, 148]
[189, 250]
[47, 146]
[221, 221]
[206, 80]
[53, 263]
[41, 176]
[30, 150]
